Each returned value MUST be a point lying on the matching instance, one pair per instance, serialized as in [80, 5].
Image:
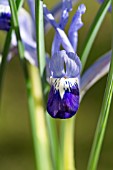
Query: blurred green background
[16, 151]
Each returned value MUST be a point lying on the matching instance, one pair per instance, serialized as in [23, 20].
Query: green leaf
[5, 52]
[102, 122]
[40, 138]
[93, 31]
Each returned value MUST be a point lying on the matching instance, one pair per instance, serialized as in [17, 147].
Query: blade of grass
[41, 62]
[93, 31]
[40, 36]
[102, 122]
[40, 139]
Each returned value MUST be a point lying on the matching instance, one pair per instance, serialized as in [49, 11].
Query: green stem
[4, 59]
[101, 126]
[42, 143]
[40, 39]
[5, 51]
[41, 63]
[55, 144]
[68, 144]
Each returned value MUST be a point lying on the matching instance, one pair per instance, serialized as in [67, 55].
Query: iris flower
[64, 66]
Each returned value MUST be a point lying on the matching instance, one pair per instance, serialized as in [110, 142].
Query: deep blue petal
[5, 17]
[65, 107]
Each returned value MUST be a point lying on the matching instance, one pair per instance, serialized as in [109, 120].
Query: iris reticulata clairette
[63, 99]
[64, 66]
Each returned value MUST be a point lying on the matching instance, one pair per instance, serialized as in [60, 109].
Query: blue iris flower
[64, 66]
[5, 15]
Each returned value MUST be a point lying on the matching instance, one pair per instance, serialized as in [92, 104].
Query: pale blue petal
[95, 72]
[4, 2]
[57, 64]
[56, 12]
[64, 64]
[25, 23]
[73, 65]
[31, 4]
[31, 54]
[64, 39]
[66, 7]
[76, 24]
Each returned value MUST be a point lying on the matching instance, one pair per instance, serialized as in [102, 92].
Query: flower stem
[68, 144]
[102, 123]
[40, 39]
[42, 143]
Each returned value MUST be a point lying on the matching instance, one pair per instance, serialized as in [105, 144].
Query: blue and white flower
[64, 66]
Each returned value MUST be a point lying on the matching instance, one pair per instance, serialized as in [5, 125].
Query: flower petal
[4, 2]
[57, 64]
[64, 64]
[76, 24]
[25, 23]
[95, 72]
[73, 65]
[56, 12]
[31, 4]
[66, 7]
[63, 100]
[64, 39]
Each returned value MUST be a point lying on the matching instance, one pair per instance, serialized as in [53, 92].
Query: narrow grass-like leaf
[27, 79]
[40, 36]
[41, 64]
[93, 31]
[16, 28]
[101, 126]
[39, 136]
